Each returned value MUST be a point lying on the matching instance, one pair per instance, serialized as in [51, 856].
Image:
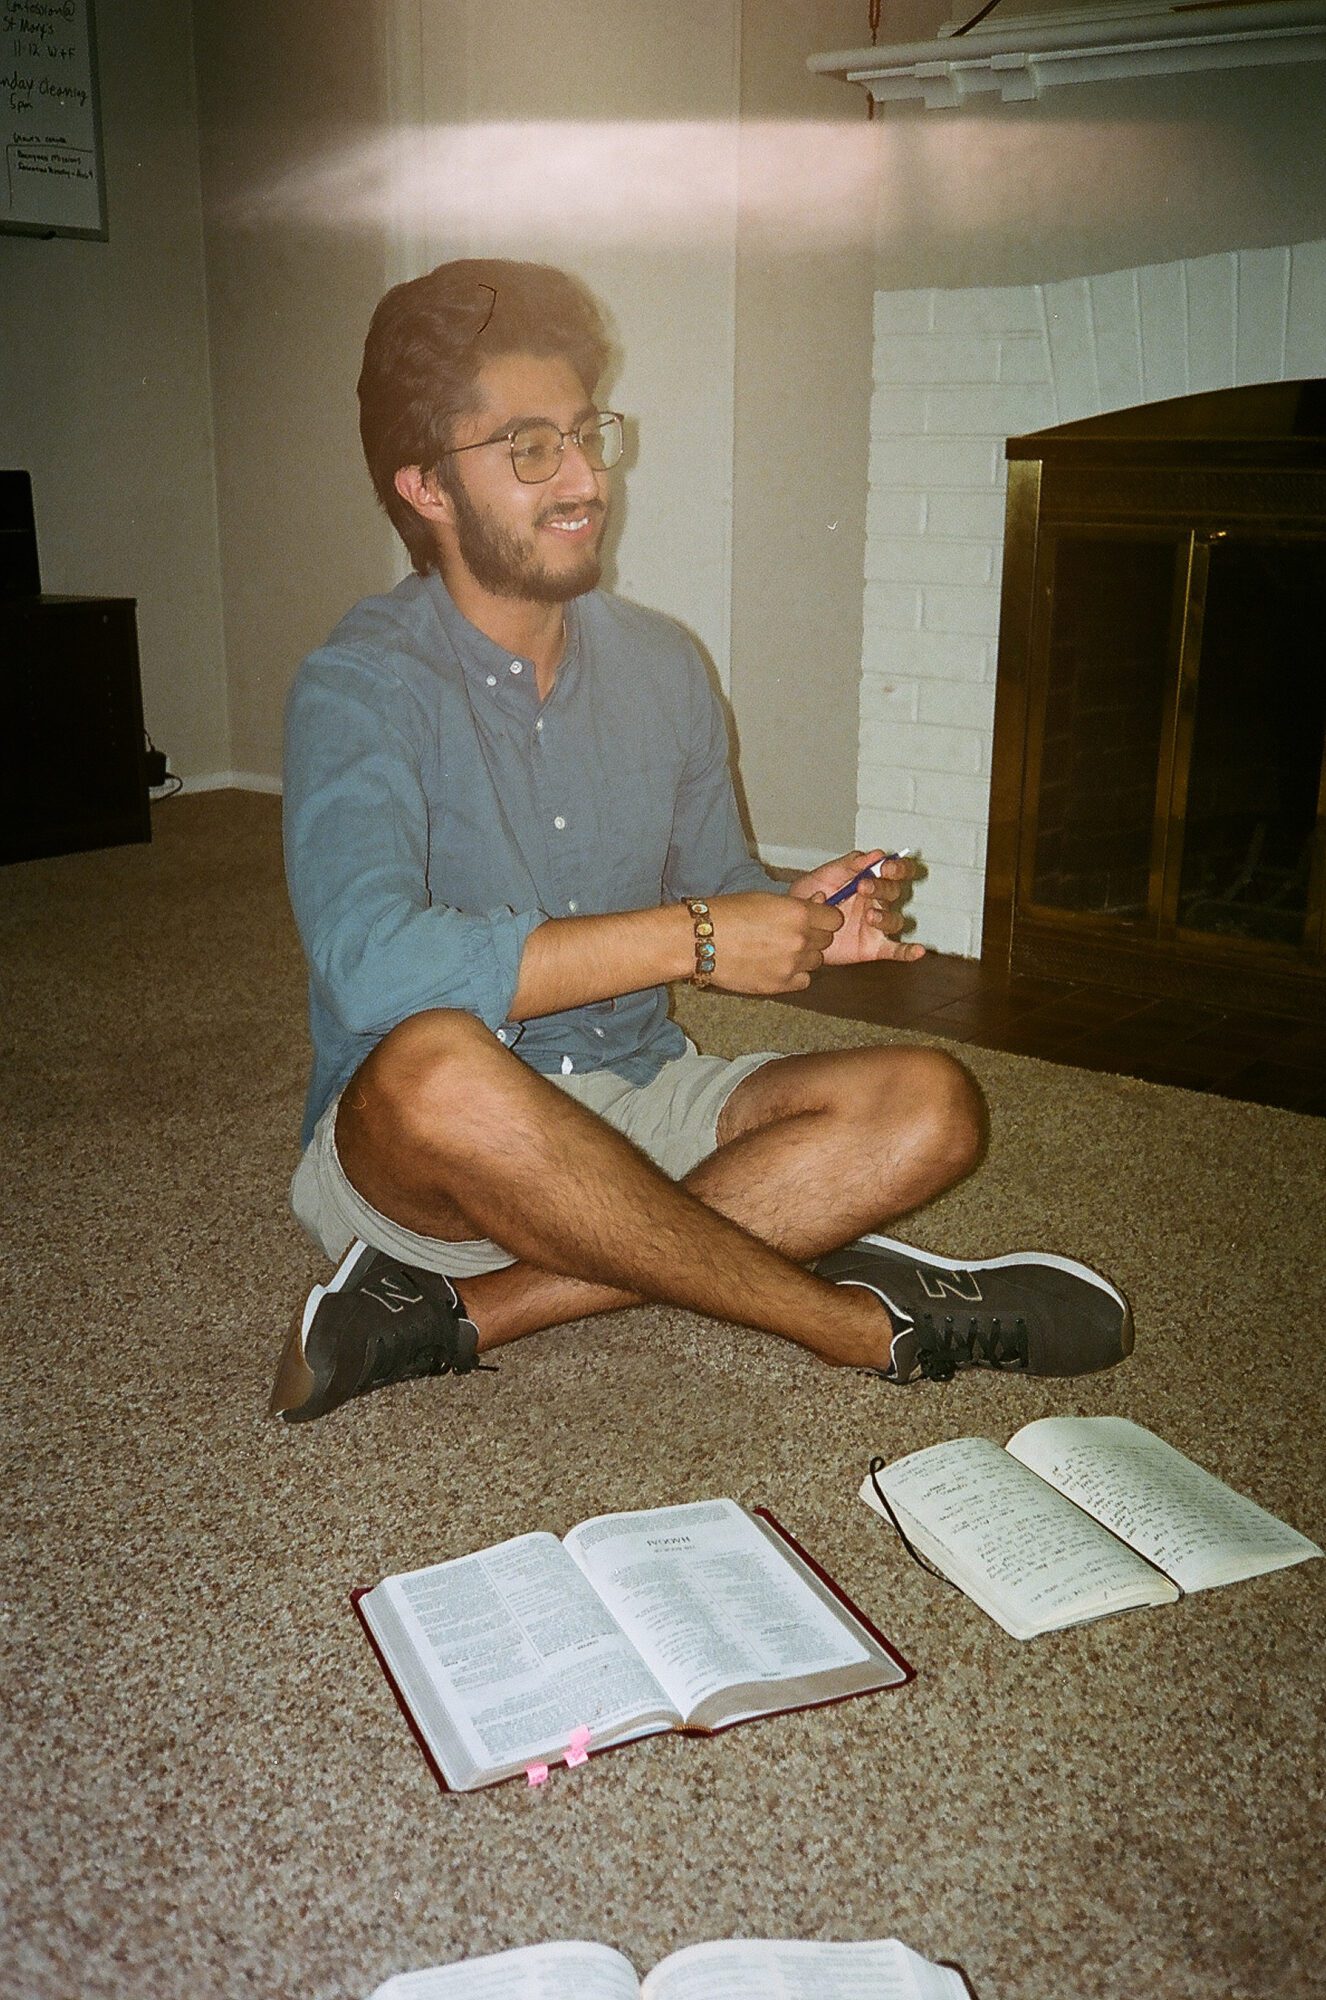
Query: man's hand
[764, 943]
[771, 944]
[872, 919]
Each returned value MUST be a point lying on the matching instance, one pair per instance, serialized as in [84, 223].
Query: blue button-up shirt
[436, 811]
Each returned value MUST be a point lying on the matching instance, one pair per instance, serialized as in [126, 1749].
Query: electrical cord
[159, 776]
[967, 26]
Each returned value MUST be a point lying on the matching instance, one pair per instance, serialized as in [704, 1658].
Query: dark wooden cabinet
[71, 739]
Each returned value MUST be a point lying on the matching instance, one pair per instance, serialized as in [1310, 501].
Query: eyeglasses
[537, 448]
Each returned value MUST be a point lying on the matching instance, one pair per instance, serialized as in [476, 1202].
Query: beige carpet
[210, 1791]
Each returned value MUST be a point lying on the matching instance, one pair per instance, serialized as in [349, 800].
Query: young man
[509, 823]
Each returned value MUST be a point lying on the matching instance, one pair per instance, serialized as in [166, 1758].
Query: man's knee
[948, 1106]
[934, 1099]
[434, 1065]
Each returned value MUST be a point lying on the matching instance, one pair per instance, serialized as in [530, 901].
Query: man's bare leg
[813, 1151]
[452, 1136]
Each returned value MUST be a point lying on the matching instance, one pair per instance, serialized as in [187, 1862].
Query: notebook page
[1181, 1517]
[1013, 1544]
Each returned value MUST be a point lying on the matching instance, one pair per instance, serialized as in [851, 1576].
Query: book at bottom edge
[568, 1969]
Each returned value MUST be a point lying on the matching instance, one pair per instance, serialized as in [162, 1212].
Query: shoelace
[387, 1361]
[983, 1343]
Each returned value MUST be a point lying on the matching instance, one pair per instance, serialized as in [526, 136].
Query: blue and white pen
[850, 888]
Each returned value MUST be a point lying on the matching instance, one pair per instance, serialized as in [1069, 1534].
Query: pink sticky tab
[577, 1750]
[537, 1773]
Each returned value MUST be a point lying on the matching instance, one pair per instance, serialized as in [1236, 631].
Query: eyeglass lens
[536, 449]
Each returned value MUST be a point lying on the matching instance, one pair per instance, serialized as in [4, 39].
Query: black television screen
[20, 575]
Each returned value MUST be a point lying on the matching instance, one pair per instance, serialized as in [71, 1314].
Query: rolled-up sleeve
[357, 840]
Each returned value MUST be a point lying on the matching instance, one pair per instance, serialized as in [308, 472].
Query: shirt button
[559, 822]
[501, 1034]
[492, 680]
[538, 727]
[517, 666]
[573, 906]
[567, 1065]
[601, 1033]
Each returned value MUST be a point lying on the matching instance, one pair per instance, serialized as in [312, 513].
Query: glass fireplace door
[1174, 772]
[1251, 865]
[1105, 667]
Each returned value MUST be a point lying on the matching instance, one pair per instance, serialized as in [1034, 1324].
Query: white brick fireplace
[956, 373]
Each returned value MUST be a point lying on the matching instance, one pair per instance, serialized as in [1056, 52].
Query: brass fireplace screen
[1158, 801]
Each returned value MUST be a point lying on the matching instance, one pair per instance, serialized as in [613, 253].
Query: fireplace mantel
[1020, 57]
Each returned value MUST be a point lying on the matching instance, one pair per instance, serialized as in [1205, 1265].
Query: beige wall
[104, 386]
[805, 282]
[289, 99]
[1101, 177]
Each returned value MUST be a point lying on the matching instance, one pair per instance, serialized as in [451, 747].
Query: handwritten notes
[51, 183]
[1173, 1512]
[1080, 1516]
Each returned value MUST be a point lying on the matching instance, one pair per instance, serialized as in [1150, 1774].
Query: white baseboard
[231, 781]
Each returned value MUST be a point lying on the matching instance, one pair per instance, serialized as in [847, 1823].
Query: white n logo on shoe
[390, 1293]
[962, 1285]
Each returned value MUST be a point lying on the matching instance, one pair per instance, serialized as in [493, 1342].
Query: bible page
[1181, 1517]
[795, 1969]
[506, 1653]
[532, 1972]
[710, 1602]
[1027, 1556]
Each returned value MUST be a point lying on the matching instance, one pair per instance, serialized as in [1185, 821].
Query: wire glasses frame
[537, 448]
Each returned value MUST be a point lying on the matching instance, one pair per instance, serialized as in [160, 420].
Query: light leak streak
[610, 184]
[812, 183]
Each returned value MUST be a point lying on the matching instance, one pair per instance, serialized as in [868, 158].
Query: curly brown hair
[428, 340]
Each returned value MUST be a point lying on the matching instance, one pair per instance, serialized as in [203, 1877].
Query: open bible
[691, 1617]
[1078, 1517]
[734, 1969]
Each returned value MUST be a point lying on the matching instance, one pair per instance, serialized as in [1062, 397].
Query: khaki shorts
[674, 1119]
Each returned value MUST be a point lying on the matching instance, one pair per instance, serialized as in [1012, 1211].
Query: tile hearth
[1228, 1052]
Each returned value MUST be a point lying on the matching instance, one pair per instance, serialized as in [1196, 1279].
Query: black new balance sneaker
[377, 1321]
[1041, 1314]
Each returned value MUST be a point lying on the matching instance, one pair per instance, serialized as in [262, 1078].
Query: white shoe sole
[294, 1377]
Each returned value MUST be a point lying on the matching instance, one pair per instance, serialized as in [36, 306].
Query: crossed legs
[449, 1134]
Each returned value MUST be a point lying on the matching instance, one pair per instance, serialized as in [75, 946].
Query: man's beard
[508, 565]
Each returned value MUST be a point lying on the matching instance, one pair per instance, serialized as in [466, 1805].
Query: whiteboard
[51, 181]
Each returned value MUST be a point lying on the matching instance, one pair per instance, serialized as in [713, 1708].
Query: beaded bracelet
[704, 940]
